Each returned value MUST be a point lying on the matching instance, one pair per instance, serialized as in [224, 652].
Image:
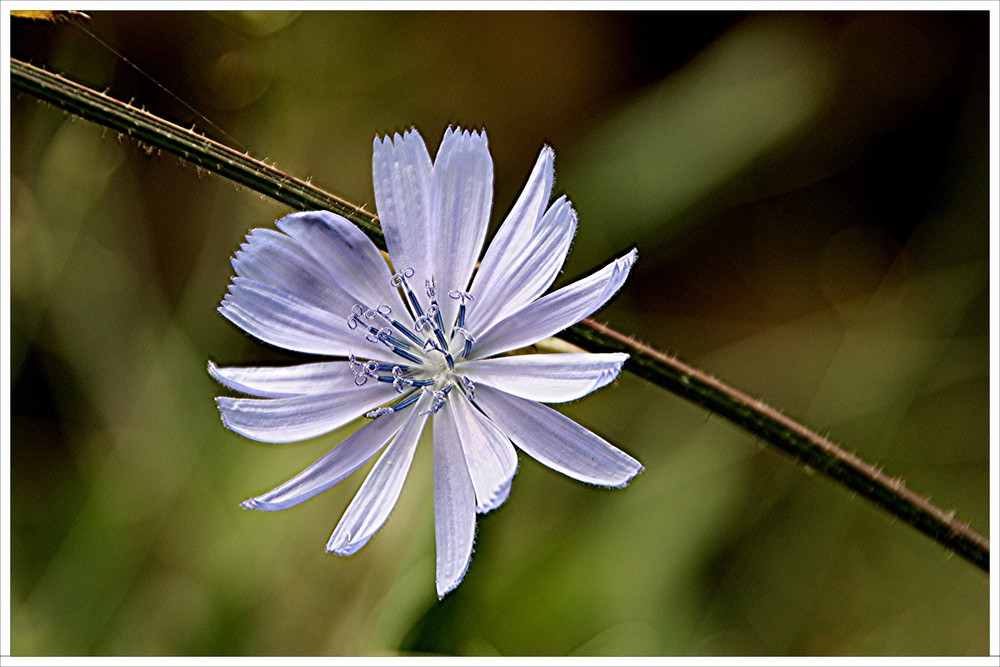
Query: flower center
[427, 363]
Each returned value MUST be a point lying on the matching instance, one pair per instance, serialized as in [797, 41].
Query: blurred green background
[809, 196]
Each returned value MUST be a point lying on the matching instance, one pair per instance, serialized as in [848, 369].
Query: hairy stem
[806, 446]
[792, 438]
[150, 130]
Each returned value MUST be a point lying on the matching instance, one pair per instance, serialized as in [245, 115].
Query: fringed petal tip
[629, 259]
[225, 405]
[447, 586]
[260, 505]
[455, 132]
[625, 482]
[220, 405]
[344, 548]
[496, 499]
[218, 374]
[343, 542]
[628, 470]
[393, 138]
[219, 401]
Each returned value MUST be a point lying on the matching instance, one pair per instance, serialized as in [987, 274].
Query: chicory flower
[425, 341]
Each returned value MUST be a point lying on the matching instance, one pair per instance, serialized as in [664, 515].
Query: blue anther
[406, 355]
[406, 332]
[384, 336]
[406, 402]
[463, 297]
[402, 405]
[439, 329]
[399, 280]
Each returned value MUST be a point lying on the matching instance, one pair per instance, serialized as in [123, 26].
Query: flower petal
[350, 258]
[529, 273]
[454, 505]
[549, 378]
[276, 260]
[402, 173]
[556, 311]
[519, 225]
[557, 441]
[331, 468]
[285, 320]
[380, 491]
[299, 417]
[490, 457]
[279, 381]
[463, 195]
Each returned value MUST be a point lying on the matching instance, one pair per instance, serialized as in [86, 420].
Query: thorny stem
[796, 440]
[806, 446]
[152, 131]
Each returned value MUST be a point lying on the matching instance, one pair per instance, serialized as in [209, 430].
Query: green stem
[792, 438]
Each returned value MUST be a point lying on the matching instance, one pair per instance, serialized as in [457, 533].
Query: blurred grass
[809, 195]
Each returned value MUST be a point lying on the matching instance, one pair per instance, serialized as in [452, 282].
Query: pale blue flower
[423, 344]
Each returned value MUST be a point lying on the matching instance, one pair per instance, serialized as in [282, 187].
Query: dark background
[809, 196]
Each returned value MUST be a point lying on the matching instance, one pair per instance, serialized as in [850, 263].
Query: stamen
[383, 368]
[460, 324]
[399, 280]
[388, 410]
[439, 330]
[459, 294]
[382, 311]
[426, 321]
[430, 346]
[399, 381]
[469, 340]
[357, 311]
[406, 355]
[440, 397]
[358, 370]
[406, 332]
[470, 387]
[434, 312]
[466, 334]
[382, 335]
